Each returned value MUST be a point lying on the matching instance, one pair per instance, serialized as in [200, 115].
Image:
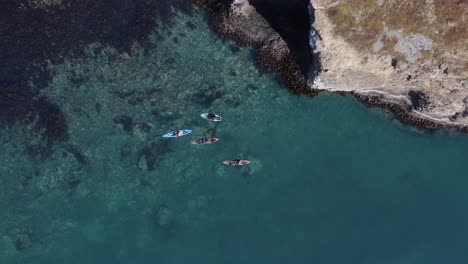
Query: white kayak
[212, 117]
[174, 134]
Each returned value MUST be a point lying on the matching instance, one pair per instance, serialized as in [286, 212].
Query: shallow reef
[36, 33]
[104, 144]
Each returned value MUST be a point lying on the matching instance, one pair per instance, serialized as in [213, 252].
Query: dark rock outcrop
[149, 156]
[403, 113]
[418, 99]
[273, 53]
[293, 28]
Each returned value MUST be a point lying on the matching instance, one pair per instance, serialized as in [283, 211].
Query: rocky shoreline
[243, 25]
[404, 113]
[246, 27]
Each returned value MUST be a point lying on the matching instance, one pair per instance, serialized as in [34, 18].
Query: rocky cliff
[407, 53]
[409, 57]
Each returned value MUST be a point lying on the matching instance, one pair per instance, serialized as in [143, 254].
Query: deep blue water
[331, 180]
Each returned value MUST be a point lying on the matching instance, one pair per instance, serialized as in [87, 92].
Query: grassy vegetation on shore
[361, 22]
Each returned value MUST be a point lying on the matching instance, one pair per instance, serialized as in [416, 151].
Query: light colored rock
[242, 7]
[410, 46]
[347, 69]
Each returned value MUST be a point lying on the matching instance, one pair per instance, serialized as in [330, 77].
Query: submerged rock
[207, 96]
[76, 153]
[23, 239]
[23, 242]
[39, 151]
[141, 130]
[19, 104]
[125, 122]
[146, 159]
[149, 156]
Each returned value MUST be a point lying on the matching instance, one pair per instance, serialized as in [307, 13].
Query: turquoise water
[331, 181]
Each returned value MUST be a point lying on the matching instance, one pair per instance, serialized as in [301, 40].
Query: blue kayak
[173, 134]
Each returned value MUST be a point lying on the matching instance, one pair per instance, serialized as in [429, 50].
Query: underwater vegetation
[37, 33]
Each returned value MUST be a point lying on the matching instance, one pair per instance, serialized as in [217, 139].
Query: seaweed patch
[125, 122]
[207, 96]
[51, 121]
[35, 33]
[149, 156]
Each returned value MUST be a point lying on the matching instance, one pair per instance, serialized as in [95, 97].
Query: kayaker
[203, 140]
[211, 116]
[236, 162]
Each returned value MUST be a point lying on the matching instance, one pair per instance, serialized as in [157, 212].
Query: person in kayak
[211, 116]
[202, 140]
[176, 133]
[234, 162]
